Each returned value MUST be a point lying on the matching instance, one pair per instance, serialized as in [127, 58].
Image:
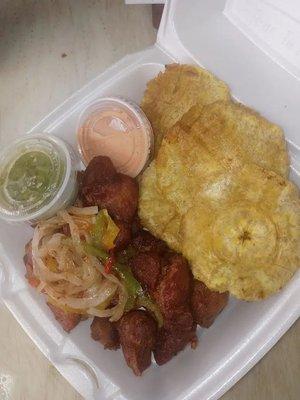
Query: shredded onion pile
[72, 279]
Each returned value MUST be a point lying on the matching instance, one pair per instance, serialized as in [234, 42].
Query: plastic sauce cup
[37, 178]
[116, 128]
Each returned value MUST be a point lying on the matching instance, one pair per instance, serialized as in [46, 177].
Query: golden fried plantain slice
[157, 214]
[231, 131]
[184, 167]
[212, 195]
[248, 244]
[239, 226]
[173, 92]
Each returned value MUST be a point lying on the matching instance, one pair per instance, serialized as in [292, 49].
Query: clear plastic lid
[36, 172]
[116, 128]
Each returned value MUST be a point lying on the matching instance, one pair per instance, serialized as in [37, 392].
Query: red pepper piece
[109, 263]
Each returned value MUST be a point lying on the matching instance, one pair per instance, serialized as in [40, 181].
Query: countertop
[49, 49]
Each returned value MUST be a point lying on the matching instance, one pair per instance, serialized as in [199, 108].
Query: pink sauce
[117, 130]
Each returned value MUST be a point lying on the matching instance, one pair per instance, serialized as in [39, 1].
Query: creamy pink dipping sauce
[118, 129]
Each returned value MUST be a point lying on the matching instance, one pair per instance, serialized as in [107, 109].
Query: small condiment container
[37, 178]
[119, 129]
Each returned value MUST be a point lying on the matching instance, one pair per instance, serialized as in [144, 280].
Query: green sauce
[32, 172]
[30, 177]
[37, 178]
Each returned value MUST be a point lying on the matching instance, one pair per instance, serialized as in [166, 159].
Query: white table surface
[49, 49]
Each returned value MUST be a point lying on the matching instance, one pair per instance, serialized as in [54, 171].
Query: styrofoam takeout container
[191, 31]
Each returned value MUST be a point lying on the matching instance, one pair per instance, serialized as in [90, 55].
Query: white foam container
[191, 31]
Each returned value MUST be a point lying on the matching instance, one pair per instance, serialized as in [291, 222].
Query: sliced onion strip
[70, 277]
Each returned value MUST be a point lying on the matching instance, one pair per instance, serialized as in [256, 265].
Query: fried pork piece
[67, 320]
[137, 331]
[104, 187]
[173, 297]
[167, 278]
[179, 329]
[144, 241]
[105, 332]
[174, 288]
[119, 197]
[146, 268]
[206, 304]
[124, 236]
[99, 171]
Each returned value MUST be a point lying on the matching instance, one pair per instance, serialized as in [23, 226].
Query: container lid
[34, 170]
[253, 46]
[119, 129]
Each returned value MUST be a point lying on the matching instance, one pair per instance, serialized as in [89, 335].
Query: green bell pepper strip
[132, 286]
[126, 274]
[95, 251]
[135, 291]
